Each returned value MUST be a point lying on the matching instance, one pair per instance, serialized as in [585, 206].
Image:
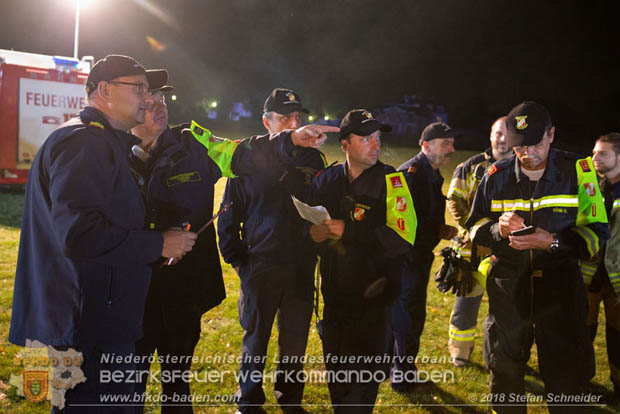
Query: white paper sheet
[315, 215]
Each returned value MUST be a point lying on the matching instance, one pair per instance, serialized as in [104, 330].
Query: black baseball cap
[437, 130]
[115, 66]
[165, 88]
[283, 101]
[527, 123]
[361, 122]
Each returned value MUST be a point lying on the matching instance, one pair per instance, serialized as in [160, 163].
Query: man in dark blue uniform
[409, 313]
[176, 168]
[261, 236]
[372, 226]
[533, 280]
[177, 180]
[83, 265]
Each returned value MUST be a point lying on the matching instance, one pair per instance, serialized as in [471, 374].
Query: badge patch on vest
[401, 224]
[584, 166]
[396, 183]
[401, 203]
[183, 178]
[492, 170]
[590, 189]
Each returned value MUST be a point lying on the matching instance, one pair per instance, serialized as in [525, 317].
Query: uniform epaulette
[503, 164]
[570, 155]
[473, 160]
[200, 131]
[96, 124]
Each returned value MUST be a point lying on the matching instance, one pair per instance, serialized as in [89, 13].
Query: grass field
[221, 336]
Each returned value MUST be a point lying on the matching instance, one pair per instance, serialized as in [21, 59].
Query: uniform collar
[550, 169]
[91, 114]
[488, 155]
[422, 162]
[344, 167]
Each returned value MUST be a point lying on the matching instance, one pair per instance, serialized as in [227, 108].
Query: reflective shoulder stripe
[477, 225]
[400, 211]
[591, 205]
[220, 150]
[616, 205]
[590, 238]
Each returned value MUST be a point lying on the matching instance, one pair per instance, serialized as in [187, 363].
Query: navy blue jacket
[83, 263]
[177, 182]
[558, 203]
[430, 202]
[263, 229]
[368, 248]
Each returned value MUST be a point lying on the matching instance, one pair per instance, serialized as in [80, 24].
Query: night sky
[477, 58]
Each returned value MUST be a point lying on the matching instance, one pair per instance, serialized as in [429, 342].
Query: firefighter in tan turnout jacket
[463, 186]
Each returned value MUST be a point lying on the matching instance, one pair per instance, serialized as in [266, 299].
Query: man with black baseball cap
[283, 110]
[83, 266]
[540, 211]
[273, 260]
[372, 226]
[177, 168]
[115, 66]
[409, 313]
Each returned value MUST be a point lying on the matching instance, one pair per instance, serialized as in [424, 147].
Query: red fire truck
[37, 93]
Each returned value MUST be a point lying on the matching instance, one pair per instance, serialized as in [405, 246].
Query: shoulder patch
[584, 166]
[492, 170]
[412, 169]
[96, 124]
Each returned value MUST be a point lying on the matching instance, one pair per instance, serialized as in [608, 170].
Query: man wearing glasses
[83, 265]
[273, 260]
[539, 211]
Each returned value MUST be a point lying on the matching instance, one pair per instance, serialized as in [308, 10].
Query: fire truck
[37, 94]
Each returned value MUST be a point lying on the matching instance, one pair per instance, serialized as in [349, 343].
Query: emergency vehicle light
[65, 61]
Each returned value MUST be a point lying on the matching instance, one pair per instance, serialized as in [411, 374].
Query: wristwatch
[555, 244]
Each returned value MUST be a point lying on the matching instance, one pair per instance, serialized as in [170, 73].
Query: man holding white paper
[361, 248]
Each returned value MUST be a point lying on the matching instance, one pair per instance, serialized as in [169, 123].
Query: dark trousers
[408, 315]
[558, 325]
[90, 396]
[353, 386]
[172, 345]
[263, 296]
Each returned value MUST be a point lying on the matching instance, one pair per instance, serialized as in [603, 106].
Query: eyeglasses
[140, 86]
[158, 97]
